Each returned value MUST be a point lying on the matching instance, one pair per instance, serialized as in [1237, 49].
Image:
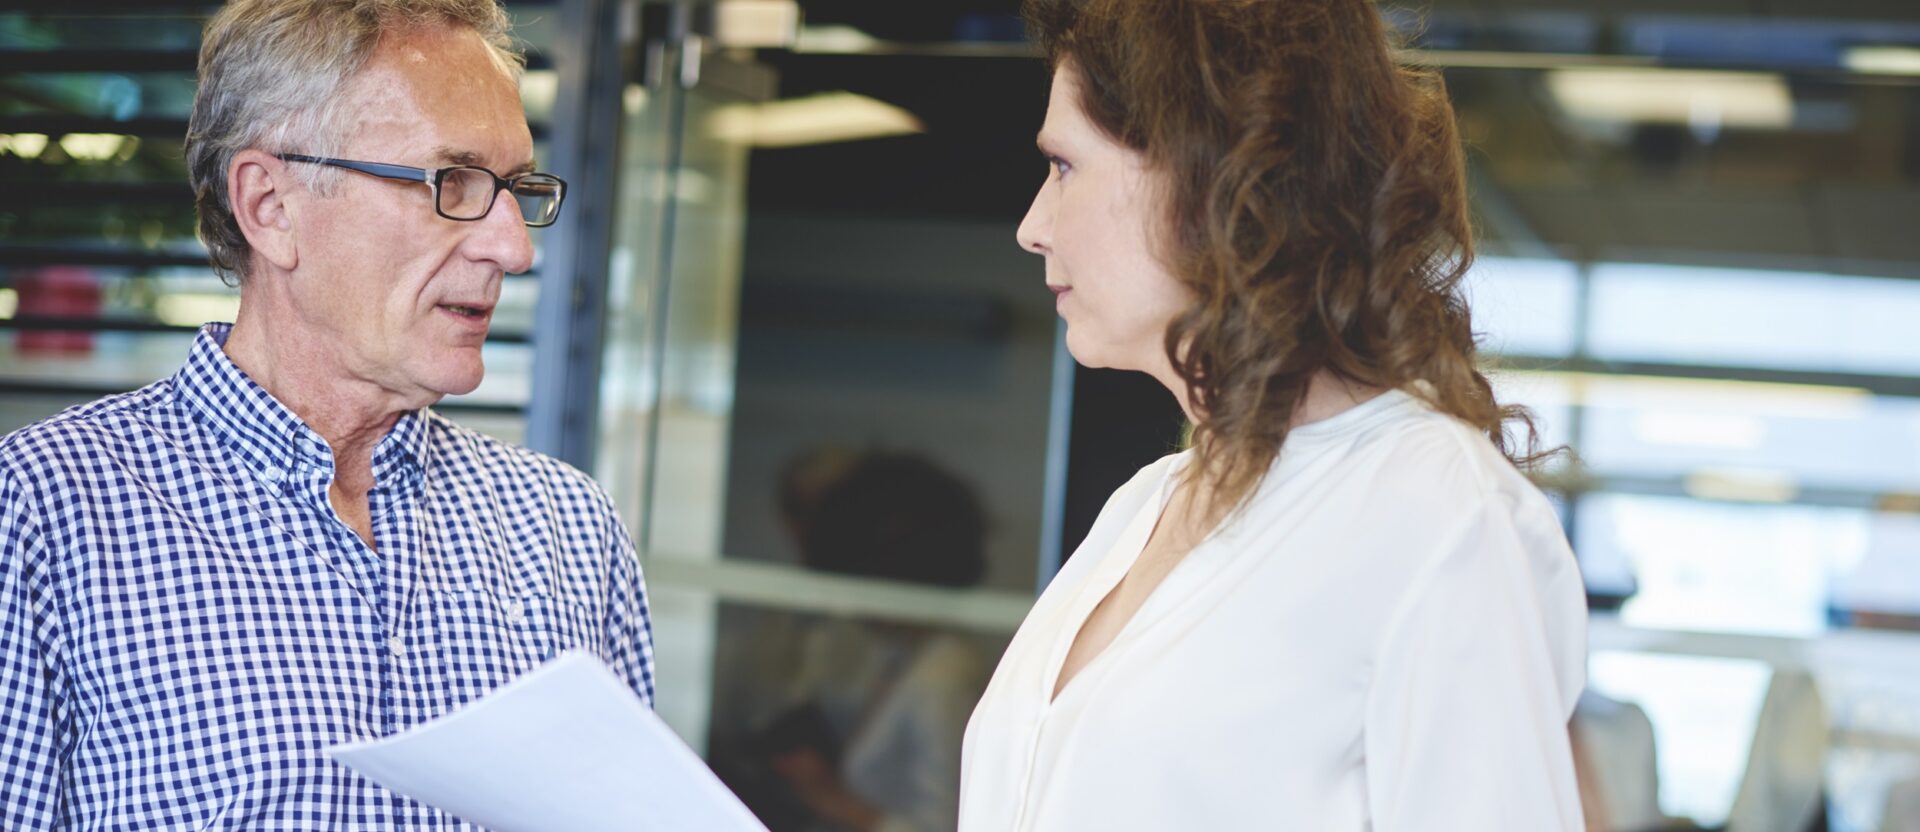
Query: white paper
[565, 748]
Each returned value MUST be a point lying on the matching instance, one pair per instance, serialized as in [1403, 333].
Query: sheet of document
[567, 747]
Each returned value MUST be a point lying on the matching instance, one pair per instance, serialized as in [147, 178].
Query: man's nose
[502, 236]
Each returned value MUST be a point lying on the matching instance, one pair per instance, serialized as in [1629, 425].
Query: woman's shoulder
[1423, 456]
[1127, 500]
[1148, 478]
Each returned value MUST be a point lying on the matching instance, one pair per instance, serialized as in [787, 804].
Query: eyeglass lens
[467, 194]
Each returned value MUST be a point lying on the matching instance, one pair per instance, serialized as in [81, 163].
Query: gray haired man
[206, 582]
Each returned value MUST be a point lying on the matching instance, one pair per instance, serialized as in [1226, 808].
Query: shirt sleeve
[30, 739]
[1474, 682]
[629, 649]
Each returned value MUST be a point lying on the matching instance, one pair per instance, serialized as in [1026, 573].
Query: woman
[1344, 608]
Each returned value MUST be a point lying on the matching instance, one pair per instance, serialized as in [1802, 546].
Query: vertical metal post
[1053, 502]
[570, 318]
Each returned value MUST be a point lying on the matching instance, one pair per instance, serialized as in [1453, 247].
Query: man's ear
[257, 187]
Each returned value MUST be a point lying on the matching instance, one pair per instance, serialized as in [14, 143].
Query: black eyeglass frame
[433, 177]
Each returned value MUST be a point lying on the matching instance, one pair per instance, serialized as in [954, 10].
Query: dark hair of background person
[885, 515]
[1317, 209]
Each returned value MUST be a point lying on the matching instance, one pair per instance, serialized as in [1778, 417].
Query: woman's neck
[1328, 395]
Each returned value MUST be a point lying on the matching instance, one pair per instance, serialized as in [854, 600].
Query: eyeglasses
[466, 192]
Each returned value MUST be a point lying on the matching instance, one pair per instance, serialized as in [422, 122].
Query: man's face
[397, 295]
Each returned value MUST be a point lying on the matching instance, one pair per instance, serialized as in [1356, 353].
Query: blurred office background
[785, 291]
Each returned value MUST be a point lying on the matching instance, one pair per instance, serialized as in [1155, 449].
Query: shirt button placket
[390, 688]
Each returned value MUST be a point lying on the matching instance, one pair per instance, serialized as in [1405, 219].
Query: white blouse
[1391, 636]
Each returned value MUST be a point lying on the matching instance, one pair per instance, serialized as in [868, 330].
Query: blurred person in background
[870, 737]
[1617, 762]
[1345, 607]
[206, 582]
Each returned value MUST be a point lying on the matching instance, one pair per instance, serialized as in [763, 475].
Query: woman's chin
[1086, 355]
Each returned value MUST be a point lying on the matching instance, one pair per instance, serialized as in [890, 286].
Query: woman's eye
[1060, 165]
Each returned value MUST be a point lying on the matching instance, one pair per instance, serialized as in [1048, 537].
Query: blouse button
[516, 612]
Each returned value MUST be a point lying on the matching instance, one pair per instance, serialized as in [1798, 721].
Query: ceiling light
[539, 88]
[23, 145]
[1741, 486]
[843, 40]
[194, 309]
[1724, 431]
[757, 23]
[93, 147]
[1700, 98]
[1764, 398]
[1882, 60]
[816, 119]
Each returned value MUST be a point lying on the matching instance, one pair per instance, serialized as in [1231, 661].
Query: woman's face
[1094, 220]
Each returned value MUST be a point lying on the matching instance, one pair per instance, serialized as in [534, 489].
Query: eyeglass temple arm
[402, 172]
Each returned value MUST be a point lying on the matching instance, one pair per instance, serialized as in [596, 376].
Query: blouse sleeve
[1475, 678]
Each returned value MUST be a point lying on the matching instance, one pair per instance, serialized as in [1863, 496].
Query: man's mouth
[470, 312]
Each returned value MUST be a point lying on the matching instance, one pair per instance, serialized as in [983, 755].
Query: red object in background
[56, 292]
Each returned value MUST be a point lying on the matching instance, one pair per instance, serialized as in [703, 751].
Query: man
[206, 582]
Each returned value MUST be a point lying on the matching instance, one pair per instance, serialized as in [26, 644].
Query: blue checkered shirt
[185, 623]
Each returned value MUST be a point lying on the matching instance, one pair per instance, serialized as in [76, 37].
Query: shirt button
[516, 612]
[398, 644]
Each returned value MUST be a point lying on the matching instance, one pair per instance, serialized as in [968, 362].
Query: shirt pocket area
[487, 639]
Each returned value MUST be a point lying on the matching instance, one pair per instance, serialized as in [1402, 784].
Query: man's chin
[455, 381]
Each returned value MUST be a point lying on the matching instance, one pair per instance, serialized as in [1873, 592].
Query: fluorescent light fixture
[816, 119]
[756, 23]
[9, 303]
[1773, 399]
[1882, 60]
[96, 147]
[842, 40]
[1725, 431]
[633, 100]
[194, 309]
[538, 89]
[23, 145]
[1742, 485]
[1700, 98]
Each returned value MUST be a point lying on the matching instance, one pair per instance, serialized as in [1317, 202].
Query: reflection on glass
[37, 31]
[1723, 567]
[1829, 437]
[1551, 397]
[1703, 712]
[824, 723]
[1882, 587]
[1524, 306]
[1742, 318]
[109, 95]
[856, 724]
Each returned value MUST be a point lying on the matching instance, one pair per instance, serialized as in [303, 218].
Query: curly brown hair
[1317, 209]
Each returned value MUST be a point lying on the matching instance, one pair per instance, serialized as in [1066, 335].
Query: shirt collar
[266, 435]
